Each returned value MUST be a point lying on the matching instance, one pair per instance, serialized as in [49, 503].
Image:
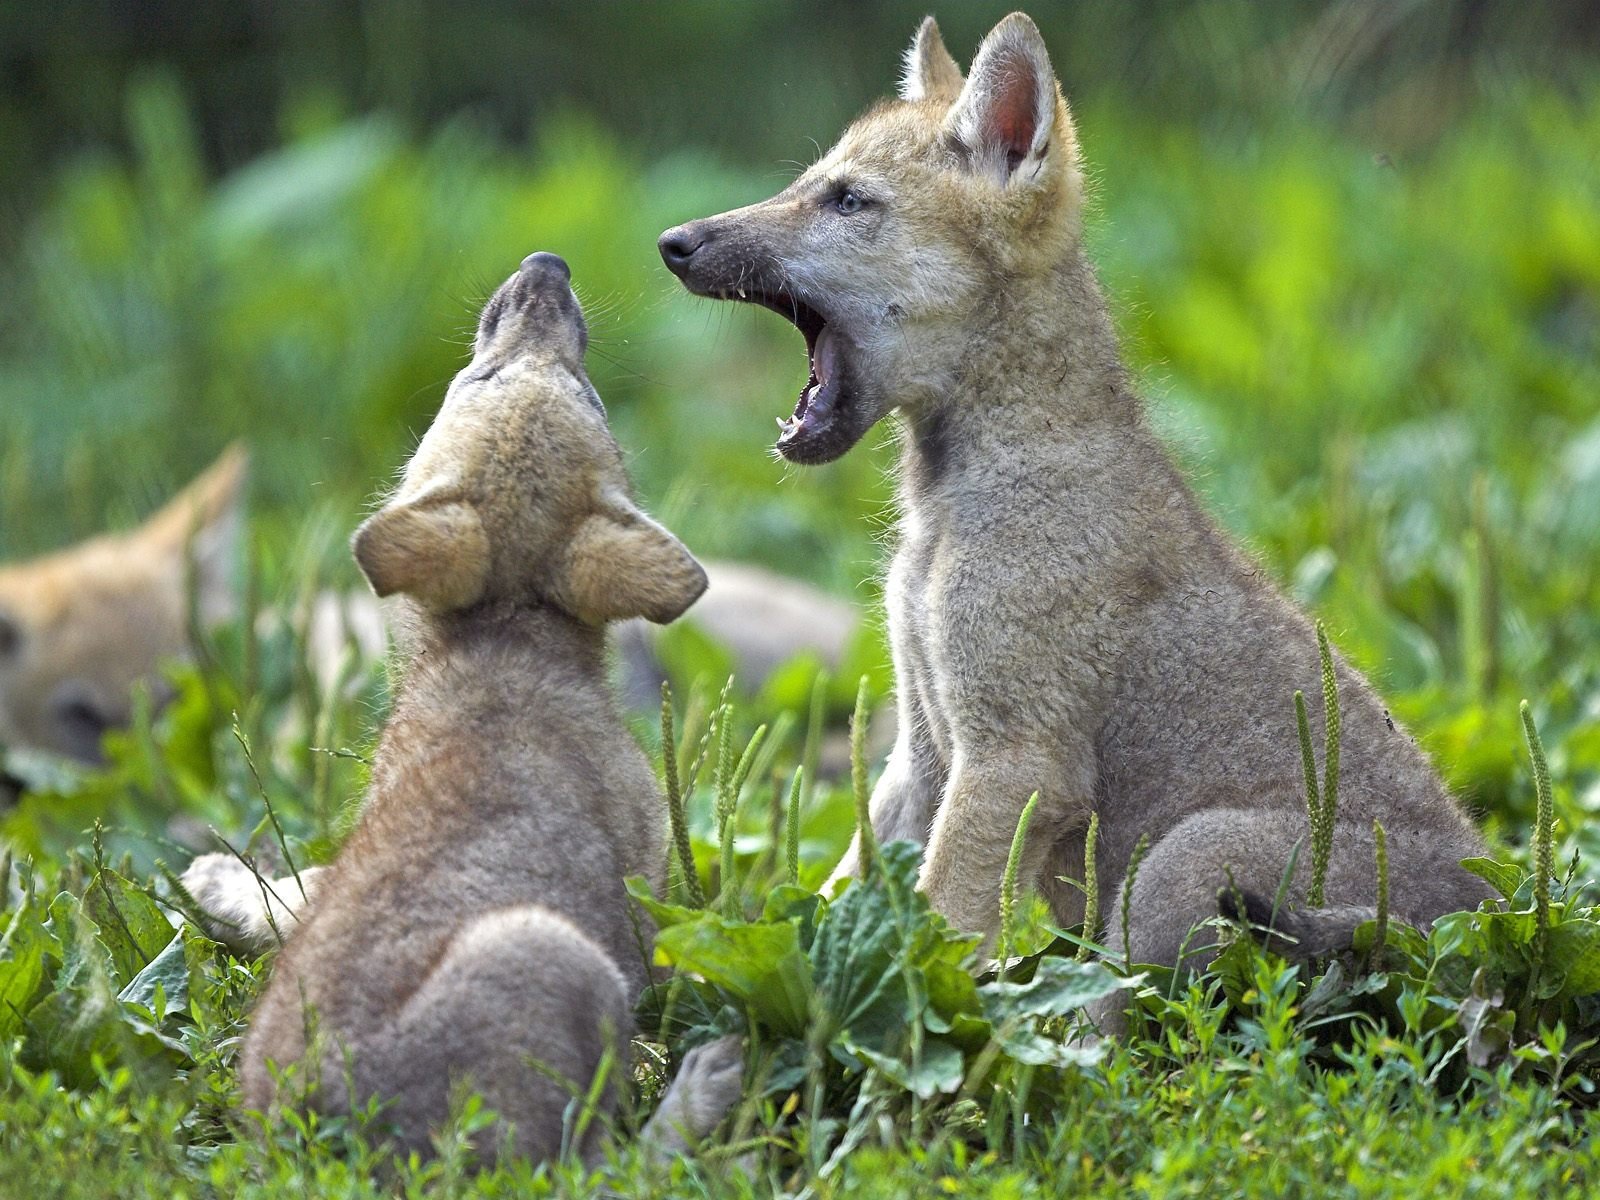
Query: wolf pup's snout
[540, 296]
[542, 263]
[678, 246]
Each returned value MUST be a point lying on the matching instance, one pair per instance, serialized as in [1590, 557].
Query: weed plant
[881, 1045]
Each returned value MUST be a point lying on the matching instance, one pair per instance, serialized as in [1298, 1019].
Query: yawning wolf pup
[1064, 617]
[475, 930]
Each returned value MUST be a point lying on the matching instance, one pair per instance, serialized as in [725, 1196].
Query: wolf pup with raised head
[474, 929]
[1065, 619]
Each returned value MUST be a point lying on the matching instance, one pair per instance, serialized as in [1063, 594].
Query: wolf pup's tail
[1298, 935]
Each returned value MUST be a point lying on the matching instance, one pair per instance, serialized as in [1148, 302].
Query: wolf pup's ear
[432, 548]
[930, 72]
[1005, 115]
[201, 526]
[621, 564]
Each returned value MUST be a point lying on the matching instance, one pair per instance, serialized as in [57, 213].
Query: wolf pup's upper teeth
[740, 292]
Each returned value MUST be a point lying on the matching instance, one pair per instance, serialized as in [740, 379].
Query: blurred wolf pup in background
[1065, 618]
[81, 628]
[475, 930]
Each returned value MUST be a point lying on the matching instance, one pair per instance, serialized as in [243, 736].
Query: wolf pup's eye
[848, 202]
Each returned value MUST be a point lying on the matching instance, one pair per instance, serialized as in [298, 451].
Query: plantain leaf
[759, 965]
[168, 972]
[132, 927]
[938, 1068]
[1573, 954]
[1502, 877]
[1059, 986]
[22, 967]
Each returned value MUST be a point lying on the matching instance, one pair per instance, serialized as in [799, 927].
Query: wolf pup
[80, 628]
[474, 930]
[1064, 617]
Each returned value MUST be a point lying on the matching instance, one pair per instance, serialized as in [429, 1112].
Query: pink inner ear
[1012, 117]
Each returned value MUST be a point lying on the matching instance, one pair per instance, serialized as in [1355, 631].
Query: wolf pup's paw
[215, 882]
[712, 1079]
[709, 1083]
[243, 912]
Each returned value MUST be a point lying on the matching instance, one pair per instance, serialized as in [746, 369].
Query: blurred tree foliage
[752, 82]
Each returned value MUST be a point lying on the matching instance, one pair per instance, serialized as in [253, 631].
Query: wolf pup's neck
[515, 631]
[1044, 372]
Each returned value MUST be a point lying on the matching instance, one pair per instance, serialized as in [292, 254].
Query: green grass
[881, 1053]
[1383, 378]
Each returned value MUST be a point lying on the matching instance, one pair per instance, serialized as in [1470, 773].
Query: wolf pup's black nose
[545, 263]
[678, 246]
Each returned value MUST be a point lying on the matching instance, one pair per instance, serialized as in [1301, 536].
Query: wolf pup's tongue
[824, 356]
[815, 408]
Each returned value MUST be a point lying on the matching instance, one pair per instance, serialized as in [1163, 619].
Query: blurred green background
[1354, 248]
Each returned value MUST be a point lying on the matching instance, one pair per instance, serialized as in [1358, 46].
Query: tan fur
[475, 923]
[1064, 616]
[80, 629]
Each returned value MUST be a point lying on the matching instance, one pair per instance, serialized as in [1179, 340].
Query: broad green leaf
[1020, 970]
[1059, 986]
[952, 993]
[1573, 948]
[1330, 988]
[132, 927]
[169, 971]
[788, 902]
[938, 1069]
[80, 1020]
[1503, 877]
[882, 956]
[1403, 940]
[22, 955]
[1235, 966]
[1026, 1044]
[73, 942]
[856, 953]
[789, 1066]
[760, 965]
[662, 912]
[684, 1011]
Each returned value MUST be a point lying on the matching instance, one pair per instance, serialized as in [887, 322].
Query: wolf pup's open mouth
[715, 259]
[821, 427]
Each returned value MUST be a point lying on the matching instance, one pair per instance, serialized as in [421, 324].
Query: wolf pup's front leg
[963, 871]
[708, 1085]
